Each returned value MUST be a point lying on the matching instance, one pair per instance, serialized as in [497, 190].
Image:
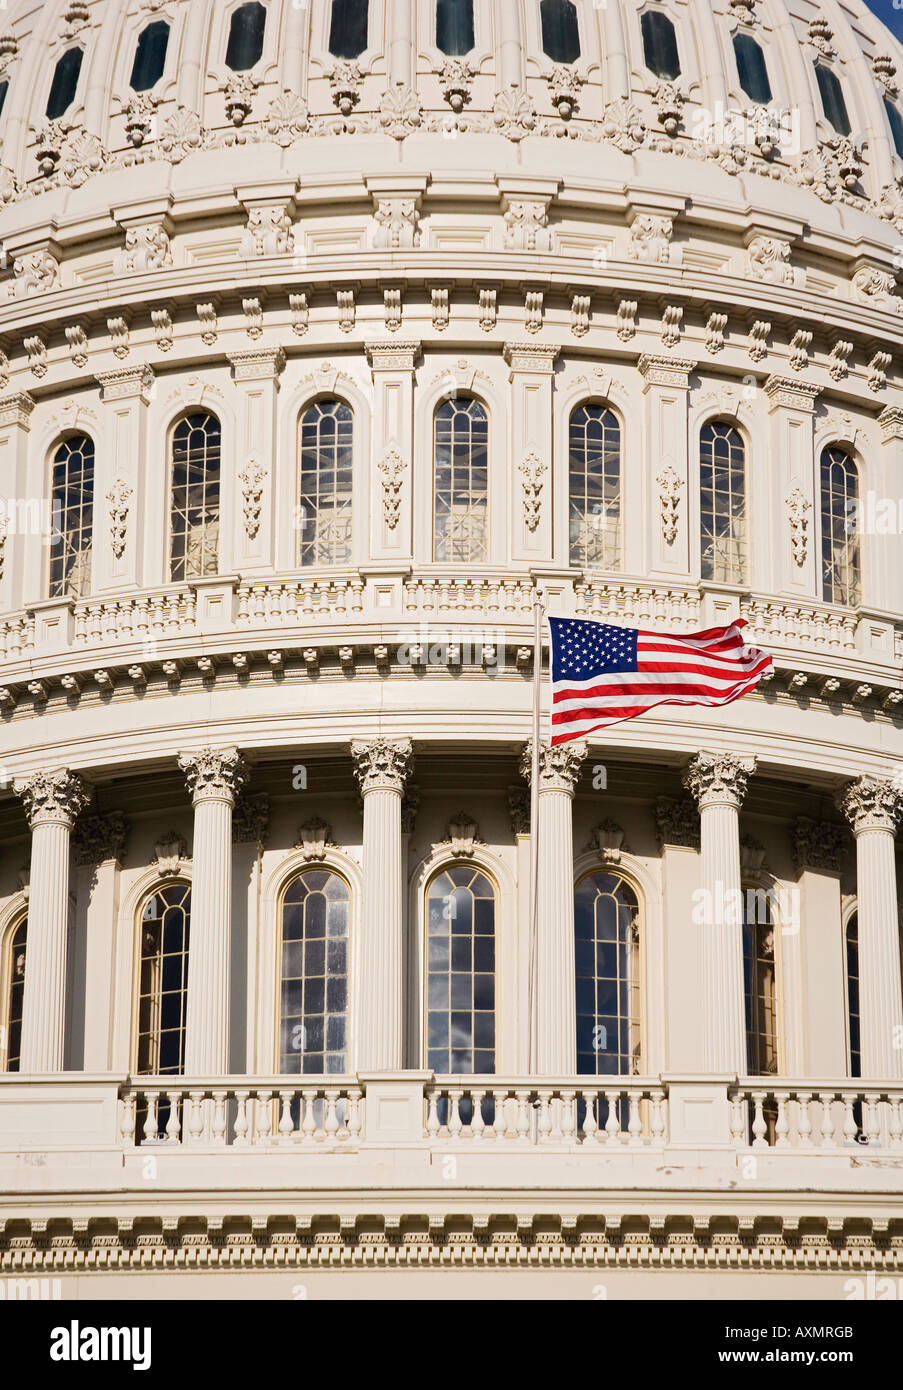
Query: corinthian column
[381, 768]
[214, 776]
[554, 1048]
[52, 800]
[718, 782]
[873, 808]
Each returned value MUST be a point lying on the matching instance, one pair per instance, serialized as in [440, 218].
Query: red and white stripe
[714, 667]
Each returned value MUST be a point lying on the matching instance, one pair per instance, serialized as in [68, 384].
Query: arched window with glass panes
[164, 923]
[851, 954]
[454, 27]
[722, 503]
[895, 120]
[313, 979]
[246, 30]
[660, 45]
[150, 56]
[461, 482]
[840, 550]
[460, 972]
[195, 464]
[72, 517]
[560, 30]
[607, 940]
[760, 989]
[64, 84]
[348, 25]
[594, 488]
[12, 973]
[832, 99]
[752, 69]
[325, 467]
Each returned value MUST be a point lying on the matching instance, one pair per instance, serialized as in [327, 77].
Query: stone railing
[823, 1115]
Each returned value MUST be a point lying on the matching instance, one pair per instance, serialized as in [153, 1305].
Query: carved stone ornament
[525, 223]
[752, 855]
[382, 764]
[818, 845]
[513, 114]
[878, 288]
[677, 822]
[182, 134]
[769, 260]
[623, 125]
[670, 485]
[171, 852]
[872, 803]
[532, 470]
[314, 838]
[392, 469]
[35, 273]
[53, 797]
[252, 478]
[345, 82]
[519, 809]
[718, 778]
[268, 233]
[146, 248]
[396, 224]
[140, 116]
[462, 833]
[607, 840]
[559, 767]
[288, 118]
[455, 81]
[564, 89]
[410, 805]
[250, 819]
[214, 773]
[650, 239]
[97, 839]
[668, 101]
[798, 507]
[118, 497]
[400, 112]
[239, 97]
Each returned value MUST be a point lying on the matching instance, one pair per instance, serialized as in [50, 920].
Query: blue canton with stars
[583, 650]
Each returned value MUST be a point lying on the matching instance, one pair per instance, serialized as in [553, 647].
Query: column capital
[392, 357]
[382, 764]
[16, 409]
[126, 383]
[214, 774]
[718, 779]
[872, 803]
[98, 839]
[262, 364]
[666, 371]
[818, 845]
[531, 357]
[559, 766]
[53, 797]
[787, 391]
[890, 422]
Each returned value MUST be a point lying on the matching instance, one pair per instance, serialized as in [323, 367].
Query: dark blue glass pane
[893, 115]
[246, 37]
[65, 82]
[660, 45]
[752, 69]
[454, 27]
[4, 88]
[560, 31]
[832, 99]
[150, 56]
[348, 30]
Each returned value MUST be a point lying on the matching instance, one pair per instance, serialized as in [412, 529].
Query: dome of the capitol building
[342, 343]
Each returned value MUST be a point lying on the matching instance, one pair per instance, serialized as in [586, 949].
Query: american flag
[602, 674]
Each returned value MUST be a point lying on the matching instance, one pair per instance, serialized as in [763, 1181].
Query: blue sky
[891, 14]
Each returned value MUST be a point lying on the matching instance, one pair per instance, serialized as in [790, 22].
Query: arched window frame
[591, 866]
[217, 47]
[151, 23]
[441, 866]
[821, 65]
[322, 865]
[895, 125]
[224, 474]
[434, 30]
[665, 12]
[763, 884]
[16, 916]
[573, 406]
[743, 34]
[487, 557]
[310, 404]
[70, 111]
[148, 889]
[824, 447]
[90, 525]
[481, 53]
[251, 11]
[850, 917]
[375, 19]
[730, 422]
[545, 16]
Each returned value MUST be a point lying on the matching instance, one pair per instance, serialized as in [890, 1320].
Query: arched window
[752, 69]
[72, 502]
[13, 973]
[840, 558]
[594, 488]
[722, 503]
[164, 923]
[150, 56]
[313, 1024]
[560, 30]
[460, 972]
[660, 45]
[759, 984]
[607, 961]
[832, 99]
[4, 88]
[896, 124]
[246, 31]
[64, 84]
[852, 954]
[454, 27]
[461, 482]
[194, 525]
[324, 484]
[348, 29]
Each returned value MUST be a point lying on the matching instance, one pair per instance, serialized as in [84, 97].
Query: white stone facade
[390, 237]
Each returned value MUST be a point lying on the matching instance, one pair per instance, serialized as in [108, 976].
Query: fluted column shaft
[382, 768]
[52, 802]
[718, 782]
[554, 1049]
[873, 808]
[215, 776]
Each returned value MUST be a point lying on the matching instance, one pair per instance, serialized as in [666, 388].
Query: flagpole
[534, 819]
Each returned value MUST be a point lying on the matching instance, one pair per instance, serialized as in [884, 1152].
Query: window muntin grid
[832, 99]
[164, 924]
[660, 45]
[64, 84]
[851, 942]
[840, 554]
[560, 30]
[454, 27]
[722, 503]
[195, 514]
[72, 500]
[313, 1026]
[760, 985]
[150, 56]
[752, 69]
[348, 28]
[325, 467]
[460, 972]
[607, 984]
[461, 482]
[10, 1052]
[594, 488]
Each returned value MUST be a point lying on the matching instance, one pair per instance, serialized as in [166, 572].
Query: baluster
[219, 1117]
[240, 1131]
[658, 1118]
[555, 1117]
[432, 1115]
[759, 1127]
[264, 1127]
[523, 1117]
[590, 1125]
[196, 1116]
[804, 1123]
[739, 1115]
[634, 1123]
[500, 1123]
[150, 1119]
[353, 1122]
[477, 1123]
[332, 1119]
[849, 1119]
[173, 1123]
[781, 1127]
[896, 1123]
[827, 1119]
[455, 1124]
[613, 1123]
[871, 1119]
[569, 1116]
[127, 1119]
[545, 1118]
[309, 1123]
[286, 1123]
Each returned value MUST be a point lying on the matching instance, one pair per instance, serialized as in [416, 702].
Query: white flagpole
[534, 817]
